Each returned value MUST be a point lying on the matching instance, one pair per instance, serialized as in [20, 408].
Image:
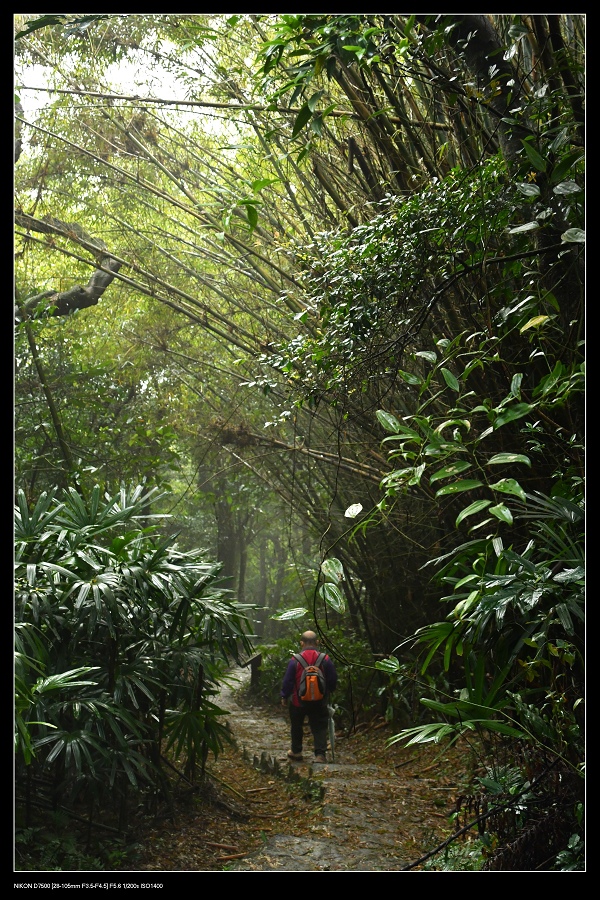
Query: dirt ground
[369, 808]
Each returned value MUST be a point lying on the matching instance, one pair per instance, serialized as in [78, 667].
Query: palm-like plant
[516, 636]
[98, 595]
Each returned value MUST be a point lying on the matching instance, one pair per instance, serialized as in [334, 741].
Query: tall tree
[273, 232]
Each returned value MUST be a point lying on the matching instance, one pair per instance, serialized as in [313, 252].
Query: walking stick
[331, 711]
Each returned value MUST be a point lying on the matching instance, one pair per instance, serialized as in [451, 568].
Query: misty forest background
[299, 343]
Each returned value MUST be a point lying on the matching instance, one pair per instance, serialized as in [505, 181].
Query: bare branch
[77, 297]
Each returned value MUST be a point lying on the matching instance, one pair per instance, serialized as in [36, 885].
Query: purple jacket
[291, 679]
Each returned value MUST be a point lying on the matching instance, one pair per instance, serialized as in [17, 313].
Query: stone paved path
[369, 812]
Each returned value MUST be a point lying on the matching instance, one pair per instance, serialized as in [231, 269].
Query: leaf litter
[376, 808]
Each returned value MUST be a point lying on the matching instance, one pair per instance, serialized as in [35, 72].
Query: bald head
[309, 638]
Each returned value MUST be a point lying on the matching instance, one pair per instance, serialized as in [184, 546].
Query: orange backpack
[312, 687]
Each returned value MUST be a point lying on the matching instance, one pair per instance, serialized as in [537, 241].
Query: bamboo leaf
[502, 512]
[535, 322]
[509, 486]
[534, 157]
[471, 510]
[252, 215]
[458, 486]
[302, 118]
[504, 458]
[448, 471]
[388, 421]
[513, 412]
[451, 380]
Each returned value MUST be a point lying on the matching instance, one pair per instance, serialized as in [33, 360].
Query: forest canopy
[316, 281]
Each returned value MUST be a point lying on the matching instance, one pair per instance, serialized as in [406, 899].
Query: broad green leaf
[471, 510]
[388, 421]
[503, 458]
[567, 187]
[391, 664]
[551, 299]
[513, 412]
[502, 512]
[263, 183]
[301, 119]
[509, 486]
[429, 355]
[565, 617]
[458, 486]
[515, 385]
[534, 157]
[416, 474]
[565, 165]
[296, 613]
[316, 125]
[404, 434]
[574, 236]
[409, 377]
[528, 190]
[333, 570]
[450, 380]
[330, 593]
[535, 322]
[529, 226]
[451, 470]
[465, 423]
[252, 214]
[569, 575]
[501, 728]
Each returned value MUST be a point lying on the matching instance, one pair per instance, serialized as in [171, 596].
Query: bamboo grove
[317, 281]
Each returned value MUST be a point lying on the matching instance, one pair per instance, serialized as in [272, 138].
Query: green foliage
[117, 428]
[72, 25]
[572, 859]
[57, 847]
[467, 856]
[386, 235]
[99, 594]
[359, 689]
[520, 617]
[376, 280]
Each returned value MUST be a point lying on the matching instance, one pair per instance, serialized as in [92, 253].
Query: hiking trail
[371, 809]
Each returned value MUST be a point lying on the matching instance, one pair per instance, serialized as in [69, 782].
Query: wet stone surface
[375, 815]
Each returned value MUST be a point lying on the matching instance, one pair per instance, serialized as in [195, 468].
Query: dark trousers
[318, 720]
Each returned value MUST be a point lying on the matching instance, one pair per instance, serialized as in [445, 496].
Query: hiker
[317, 711]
